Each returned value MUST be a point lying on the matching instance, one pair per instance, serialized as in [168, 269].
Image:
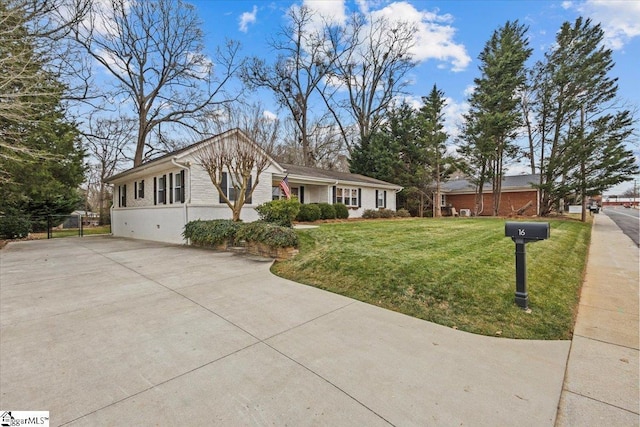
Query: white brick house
[155, 200]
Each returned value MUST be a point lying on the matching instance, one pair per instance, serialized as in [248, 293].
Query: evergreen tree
[41, 161]
[439, 165]
[581, 143]
[495, 116]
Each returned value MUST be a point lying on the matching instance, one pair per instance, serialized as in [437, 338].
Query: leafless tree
[106, 142]
[154, 51]
[306, 51]
[371, 66]
[230, 159]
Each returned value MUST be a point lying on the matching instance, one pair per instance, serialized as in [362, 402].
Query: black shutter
[142, 189]
[247, 194]
[385, 199]
[223, 184]
[124, 198]
[183, 184]
[359, 197]
[301, 194]
[155, 190]
[119, 196]
[164, 189]
[377, 199]
[170, 188]
[135, 190]
[334, 194]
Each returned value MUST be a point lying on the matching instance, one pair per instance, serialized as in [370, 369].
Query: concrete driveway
[100, 331]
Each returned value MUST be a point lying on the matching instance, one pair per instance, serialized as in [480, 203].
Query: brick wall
[510, 201]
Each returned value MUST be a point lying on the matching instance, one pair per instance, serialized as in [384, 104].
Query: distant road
[627, 219]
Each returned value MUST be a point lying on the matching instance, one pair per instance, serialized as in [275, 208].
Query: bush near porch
[457, 272]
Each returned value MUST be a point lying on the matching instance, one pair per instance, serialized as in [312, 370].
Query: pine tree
[495, 116]
[582, 147]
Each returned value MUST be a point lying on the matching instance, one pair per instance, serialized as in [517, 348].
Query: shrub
[309, 213]
[342, 211]
[280, 212]
[269, 234]
[403, 213]
[327, 211]
[371, 214]
[211, 233]
[12, 227]
[386, 213]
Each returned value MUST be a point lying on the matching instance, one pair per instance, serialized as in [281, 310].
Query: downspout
[185, 211]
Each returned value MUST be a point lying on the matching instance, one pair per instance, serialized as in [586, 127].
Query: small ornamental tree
[231, 162]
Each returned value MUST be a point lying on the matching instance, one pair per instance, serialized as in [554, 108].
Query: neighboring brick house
[155, 200]
[517, 191]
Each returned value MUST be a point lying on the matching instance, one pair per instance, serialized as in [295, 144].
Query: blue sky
[452, 35]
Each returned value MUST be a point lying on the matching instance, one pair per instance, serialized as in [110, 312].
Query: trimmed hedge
[342, 211]
[269, 234]
[379, 213]
[211, 233]
[280, 212]
[216, 232]
[14, 227]
[327, 211]
[309, 213]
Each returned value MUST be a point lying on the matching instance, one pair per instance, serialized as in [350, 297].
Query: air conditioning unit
[465, 212]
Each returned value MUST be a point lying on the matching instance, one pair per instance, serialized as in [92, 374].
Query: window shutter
[359, 197]
[135, 190]
[119, 195]
[170, 188]
[334, 194]
[385, 199]
[183, 183]
[223, 185]
[247, 194]
[142, 189]
[377, 199]
[155, 191]
[301, 194]
[164, 189]
[124, 196]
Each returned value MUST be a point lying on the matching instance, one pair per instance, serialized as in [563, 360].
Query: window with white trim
[347, 196]
[178, 187]
[381, 199]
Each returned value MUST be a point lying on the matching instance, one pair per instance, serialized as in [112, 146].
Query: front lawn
[456, 272]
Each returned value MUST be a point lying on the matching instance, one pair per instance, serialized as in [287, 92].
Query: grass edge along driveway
[456, 272]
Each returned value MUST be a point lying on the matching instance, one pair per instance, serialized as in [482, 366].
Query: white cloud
[333, 11]
[620, 19]
[268, 115]
[434, 37]
[247, 18]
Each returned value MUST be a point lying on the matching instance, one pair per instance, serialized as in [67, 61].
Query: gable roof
[301, 173]
[160, 162]
[509, 183]
[331, 177]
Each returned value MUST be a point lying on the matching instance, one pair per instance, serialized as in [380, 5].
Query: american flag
[284, 184]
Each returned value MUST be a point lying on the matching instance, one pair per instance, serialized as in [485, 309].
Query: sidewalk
[601, 381]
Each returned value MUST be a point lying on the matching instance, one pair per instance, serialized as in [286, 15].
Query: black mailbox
[527, 230]
[522, 233]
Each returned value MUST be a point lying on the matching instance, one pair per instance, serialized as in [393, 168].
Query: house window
[162, 189]
[178, 188]
[443, 200]
[122, 195]
[381, 199]
[138, 190]
[227, 182]
[277, 193]
[348, 196]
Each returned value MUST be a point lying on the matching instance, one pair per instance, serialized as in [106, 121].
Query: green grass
[71, 232]
[452, 271]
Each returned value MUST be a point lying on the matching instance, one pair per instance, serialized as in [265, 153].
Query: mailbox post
[522, 233]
